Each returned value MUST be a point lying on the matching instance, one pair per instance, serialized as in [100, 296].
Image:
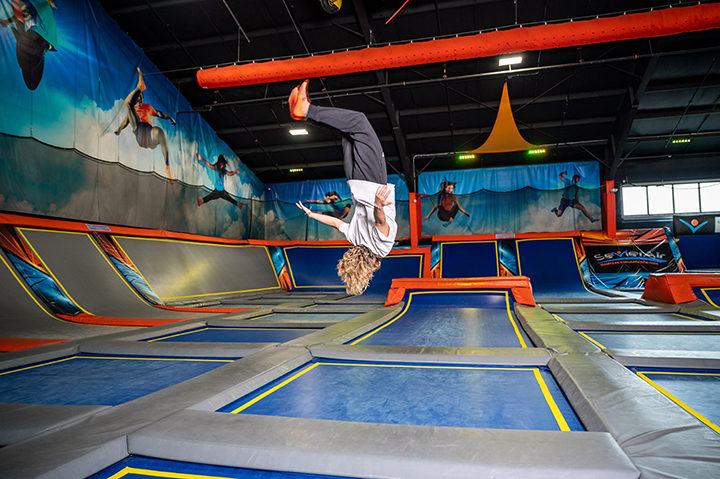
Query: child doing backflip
[372, 228]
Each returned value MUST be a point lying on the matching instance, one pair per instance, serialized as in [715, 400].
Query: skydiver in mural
[569, 197]
[220, 169]
[372, 228]
[33, 24]
[447, 205]
[330, 198]
[139, 116]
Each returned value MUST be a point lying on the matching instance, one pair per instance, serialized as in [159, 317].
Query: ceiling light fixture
[298, 131]
[295, 170]
[510, 60]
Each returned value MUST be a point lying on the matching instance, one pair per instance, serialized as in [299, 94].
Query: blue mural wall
[515, 199]
[285, 221]
[91, 130]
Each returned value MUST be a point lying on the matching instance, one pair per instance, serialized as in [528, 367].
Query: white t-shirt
[362, 229]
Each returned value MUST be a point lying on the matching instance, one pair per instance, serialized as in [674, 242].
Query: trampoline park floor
[622, 318]
[417, 394]
[451, 318]
[652, 340]
[213, 334]
[137, 467]
[695, 390]
[98, 380]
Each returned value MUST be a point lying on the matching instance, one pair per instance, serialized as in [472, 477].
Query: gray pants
[363, 156]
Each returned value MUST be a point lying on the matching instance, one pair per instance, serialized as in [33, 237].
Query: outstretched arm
[315, 202]
[233, 172]
[461, 209]
[164, 116]
[122, 126]
[324, 219]
[204, 161]
[427, 217]
[381, 200]
[562, 176]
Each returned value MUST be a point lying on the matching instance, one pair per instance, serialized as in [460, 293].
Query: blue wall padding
[160, 468]
[436, 395]
[452, 320]
[317, 267]
[697, 389]
[85, 380]
[700, 251]
[711, 295]
[469, 260]
[552, 267]
[238, 335]
[658, 341]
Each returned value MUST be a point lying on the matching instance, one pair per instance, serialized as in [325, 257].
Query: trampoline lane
[553, 268]
[453, 318]
[469, 259]
[416, 394]
[654, 341]
[695, 390]
[236, 335]
[85, 274]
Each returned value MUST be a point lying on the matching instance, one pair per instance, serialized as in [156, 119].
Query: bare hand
[304, 209]
[381, 196]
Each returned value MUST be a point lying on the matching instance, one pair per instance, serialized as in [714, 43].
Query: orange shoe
[299, 108]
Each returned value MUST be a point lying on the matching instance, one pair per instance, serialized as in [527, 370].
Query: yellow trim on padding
[116, 357]
[577, 263]
[20, 231]
[551, 402]
[164, 474]
[222, 328]
[677, 401]
[497, 254]
[686, 317]
[407, 306]
[267, 252]
[23, 286]
[557, 414]
[590, 339]
[708, 297]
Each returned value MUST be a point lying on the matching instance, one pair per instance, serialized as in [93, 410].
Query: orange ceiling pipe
[656, 23]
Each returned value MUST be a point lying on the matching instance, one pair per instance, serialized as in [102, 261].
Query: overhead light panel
[298, 131]
[510, 60]
[536, 151]
[295, 170]
[466, 156]
[681, 140]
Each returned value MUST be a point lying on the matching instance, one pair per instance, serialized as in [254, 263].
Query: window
[670, 199]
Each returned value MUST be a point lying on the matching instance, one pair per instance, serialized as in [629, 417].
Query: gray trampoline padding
[226, 268]
[547, 332]
[345, 330]
[659, 437]
[192, 350]
[424, 354]
[668, 326]
[621, 318]
[624, 308]
[667, 359]
[21, 316]
[379, 450]
[93, 443]
[36, 355]
[89, 277]
[23, 421]
[260, 323]
[324, 310]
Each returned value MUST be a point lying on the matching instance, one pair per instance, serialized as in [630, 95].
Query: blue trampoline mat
[553, 268]
[626, 317]
[319, 316]
[417, 394]
[469, 259]
[452, 319]
[236, 335]
[136, 467]
[696, 391]
[655, 341]
[97, 380]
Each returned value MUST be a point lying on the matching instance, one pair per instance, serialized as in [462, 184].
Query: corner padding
[676, 288]
[518, 285]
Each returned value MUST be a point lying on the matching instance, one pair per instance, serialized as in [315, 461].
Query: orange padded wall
[657, 23]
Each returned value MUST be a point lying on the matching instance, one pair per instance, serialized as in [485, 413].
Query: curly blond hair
[356, 268]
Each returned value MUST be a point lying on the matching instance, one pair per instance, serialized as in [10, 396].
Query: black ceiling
[619, 103]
